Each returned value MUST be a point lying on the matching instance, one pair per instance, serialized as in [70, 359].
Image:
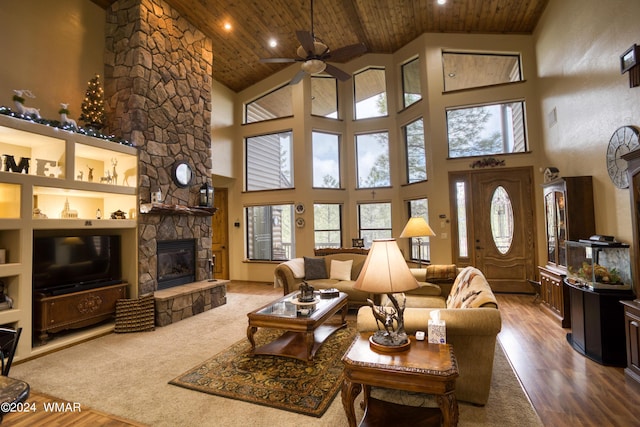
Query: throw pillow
[340, 270]
[314, 268]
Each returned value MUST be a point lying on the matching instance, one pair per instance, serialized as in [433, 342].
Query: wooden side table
[425, 368]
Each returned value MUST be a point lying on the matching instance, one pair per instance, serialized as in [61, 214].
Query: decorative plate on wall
[299, 208]
[299, 222]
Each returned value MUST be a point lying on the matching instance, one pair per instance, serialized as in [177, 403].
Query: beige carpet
[127, 375]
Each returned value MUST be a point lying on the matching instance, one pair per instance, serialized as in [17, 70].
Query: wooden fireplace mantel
[164, 209]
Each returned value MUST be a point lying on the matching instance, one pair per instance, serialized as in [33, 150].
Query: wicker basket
[135, 315]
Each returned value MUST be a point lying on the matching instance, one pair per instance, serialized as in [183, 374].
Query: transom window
[326, 160]
[270, 232]
[327, 225]
[370, 90]
[324, 96]
[411, 87]
[268, 161]
[273, 105]
[415, 151]
[486, 130]
[374, 222]
[463, 70]
[372, 157]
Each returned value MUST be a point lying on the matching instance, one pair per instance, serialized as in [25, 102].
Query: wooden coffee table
[305, 332]
[425, 368]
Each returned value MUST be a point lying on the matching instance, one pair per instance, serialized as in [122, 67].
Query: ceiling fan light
[313, 66]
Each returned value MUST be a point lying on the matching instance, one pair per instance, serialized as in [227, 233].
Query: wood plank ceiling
[383, 26]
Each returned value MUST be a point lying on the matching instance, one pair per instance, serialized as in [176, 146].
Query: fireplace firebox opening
[176, 262]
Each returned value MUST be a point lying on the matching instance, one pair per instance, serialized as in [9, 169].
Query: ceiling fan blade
[337, 73]
[306, 41]
[346, 53]
[277, 60]
[296, 79]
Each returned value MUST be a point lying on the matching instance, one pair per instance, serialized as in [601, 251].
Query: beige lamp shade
[417, 227]
[385, 270]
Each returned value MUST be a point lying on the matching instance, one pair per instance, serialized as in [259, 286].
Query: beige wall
[578, 45]
[52, 48]
[428, 47]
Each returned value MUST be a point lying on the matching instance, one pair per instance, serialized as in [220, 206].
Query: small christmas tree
[93, 104]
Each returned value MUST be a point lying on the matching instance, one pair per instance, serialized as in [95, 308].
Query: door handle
[479, 247]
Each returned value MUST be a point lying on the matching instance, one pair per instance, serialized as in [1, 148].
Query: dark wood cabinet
[57, 313]
[597, 324]
[632, 333]
[569, 215]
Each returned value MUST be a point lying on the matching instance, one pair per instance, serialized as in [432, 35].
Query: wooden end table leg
[449, 407]
[250, 331]
[349, 392]
[343, 313]
[310, 340]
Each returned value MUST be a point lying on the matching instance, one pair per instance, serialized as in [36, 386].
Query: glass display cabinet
[569, 215]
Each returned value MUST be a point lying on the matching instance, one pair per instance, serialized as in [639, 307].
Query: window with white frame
[268, 161]
[326, 160]
[420, 248]
[327, 225]
[370, 91]
[273, 105]
[374, 222]
[270, 232]
[411, 87]
[487, 129]
[465, 70]
[372, 160]
[415, 151]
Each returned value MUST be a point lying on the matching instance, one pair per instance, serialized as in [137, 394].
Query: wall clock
[623, 140]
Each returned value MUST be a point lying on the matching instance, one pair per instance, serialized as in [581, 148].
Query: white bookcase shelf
[50, 180]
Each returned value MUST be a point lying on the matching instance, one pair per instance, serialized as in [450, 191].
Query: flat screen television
[72, 263]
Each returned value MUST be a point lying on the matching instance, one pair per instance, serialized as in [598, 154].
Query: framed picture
[629, 59]
[357, 243]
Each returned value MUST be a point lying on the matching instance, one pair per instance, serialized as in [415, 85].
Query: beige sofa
[472, 319]
[290, 274]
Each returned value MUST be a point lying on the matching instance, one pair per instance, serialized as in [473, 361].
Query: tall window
[270, 232]
[326, 160]
[327, 225]
[411, 88]
[370, 93]
[269, 162]
[486, 130]
[461, 213]
[463, 70]
[420, 207]
[415, 151]
[374, 222]
[270, 106]
[372, 157]
[324, 96]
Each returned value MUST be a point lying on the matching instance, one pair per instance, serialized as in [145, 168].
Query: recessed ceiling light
[441, 2]
[273, 43]
[227, 26]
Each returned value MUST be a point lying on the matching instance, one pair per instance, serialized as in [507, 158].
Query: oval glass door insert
[501, 220]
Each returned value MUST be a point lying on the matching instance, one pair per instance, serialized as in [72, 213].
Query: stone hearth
[181, 302]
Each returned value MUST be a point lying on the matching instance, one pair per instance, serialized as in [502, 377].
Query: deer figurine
[64, 110]
[18, 99]
[114, 175]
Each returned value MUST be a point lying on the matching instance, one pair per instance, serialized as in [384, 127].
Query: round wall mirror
[182, 174]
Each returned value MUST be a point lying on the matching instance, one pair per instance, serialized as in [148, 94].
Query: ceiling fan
[314, 54]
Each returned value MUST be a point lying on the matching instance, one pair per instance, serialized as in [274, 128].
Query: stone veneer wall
[157, 83]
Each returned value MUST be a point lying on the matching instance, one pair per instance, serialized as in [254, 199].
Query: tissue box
[437, 331]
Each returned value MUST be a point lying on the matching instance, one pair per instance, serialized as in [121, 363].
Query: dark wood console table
[74, 310]
[597, 324]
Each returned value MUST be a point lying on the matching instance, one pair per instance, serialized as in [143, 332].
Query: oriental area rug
[274, 381]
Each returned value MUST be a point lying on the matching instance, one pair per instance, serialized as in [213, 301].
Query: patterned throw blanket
[467, 293]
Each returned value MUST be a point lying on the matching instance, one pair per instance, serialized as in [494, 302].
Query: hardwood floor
[565, 388]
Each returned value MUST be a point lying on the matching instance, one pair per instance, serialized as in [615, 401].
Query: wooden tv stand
[53, 314]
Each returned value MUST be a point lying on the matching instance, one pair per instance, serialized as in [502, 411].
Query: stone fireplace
[157, 82]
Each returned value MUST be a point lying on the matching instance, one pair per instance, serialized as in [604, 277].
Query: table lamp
[417, 227]
[385, 271]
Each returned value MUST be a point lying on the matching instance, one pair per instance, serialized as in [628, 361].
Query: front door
[220, 234]
[494, 225]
